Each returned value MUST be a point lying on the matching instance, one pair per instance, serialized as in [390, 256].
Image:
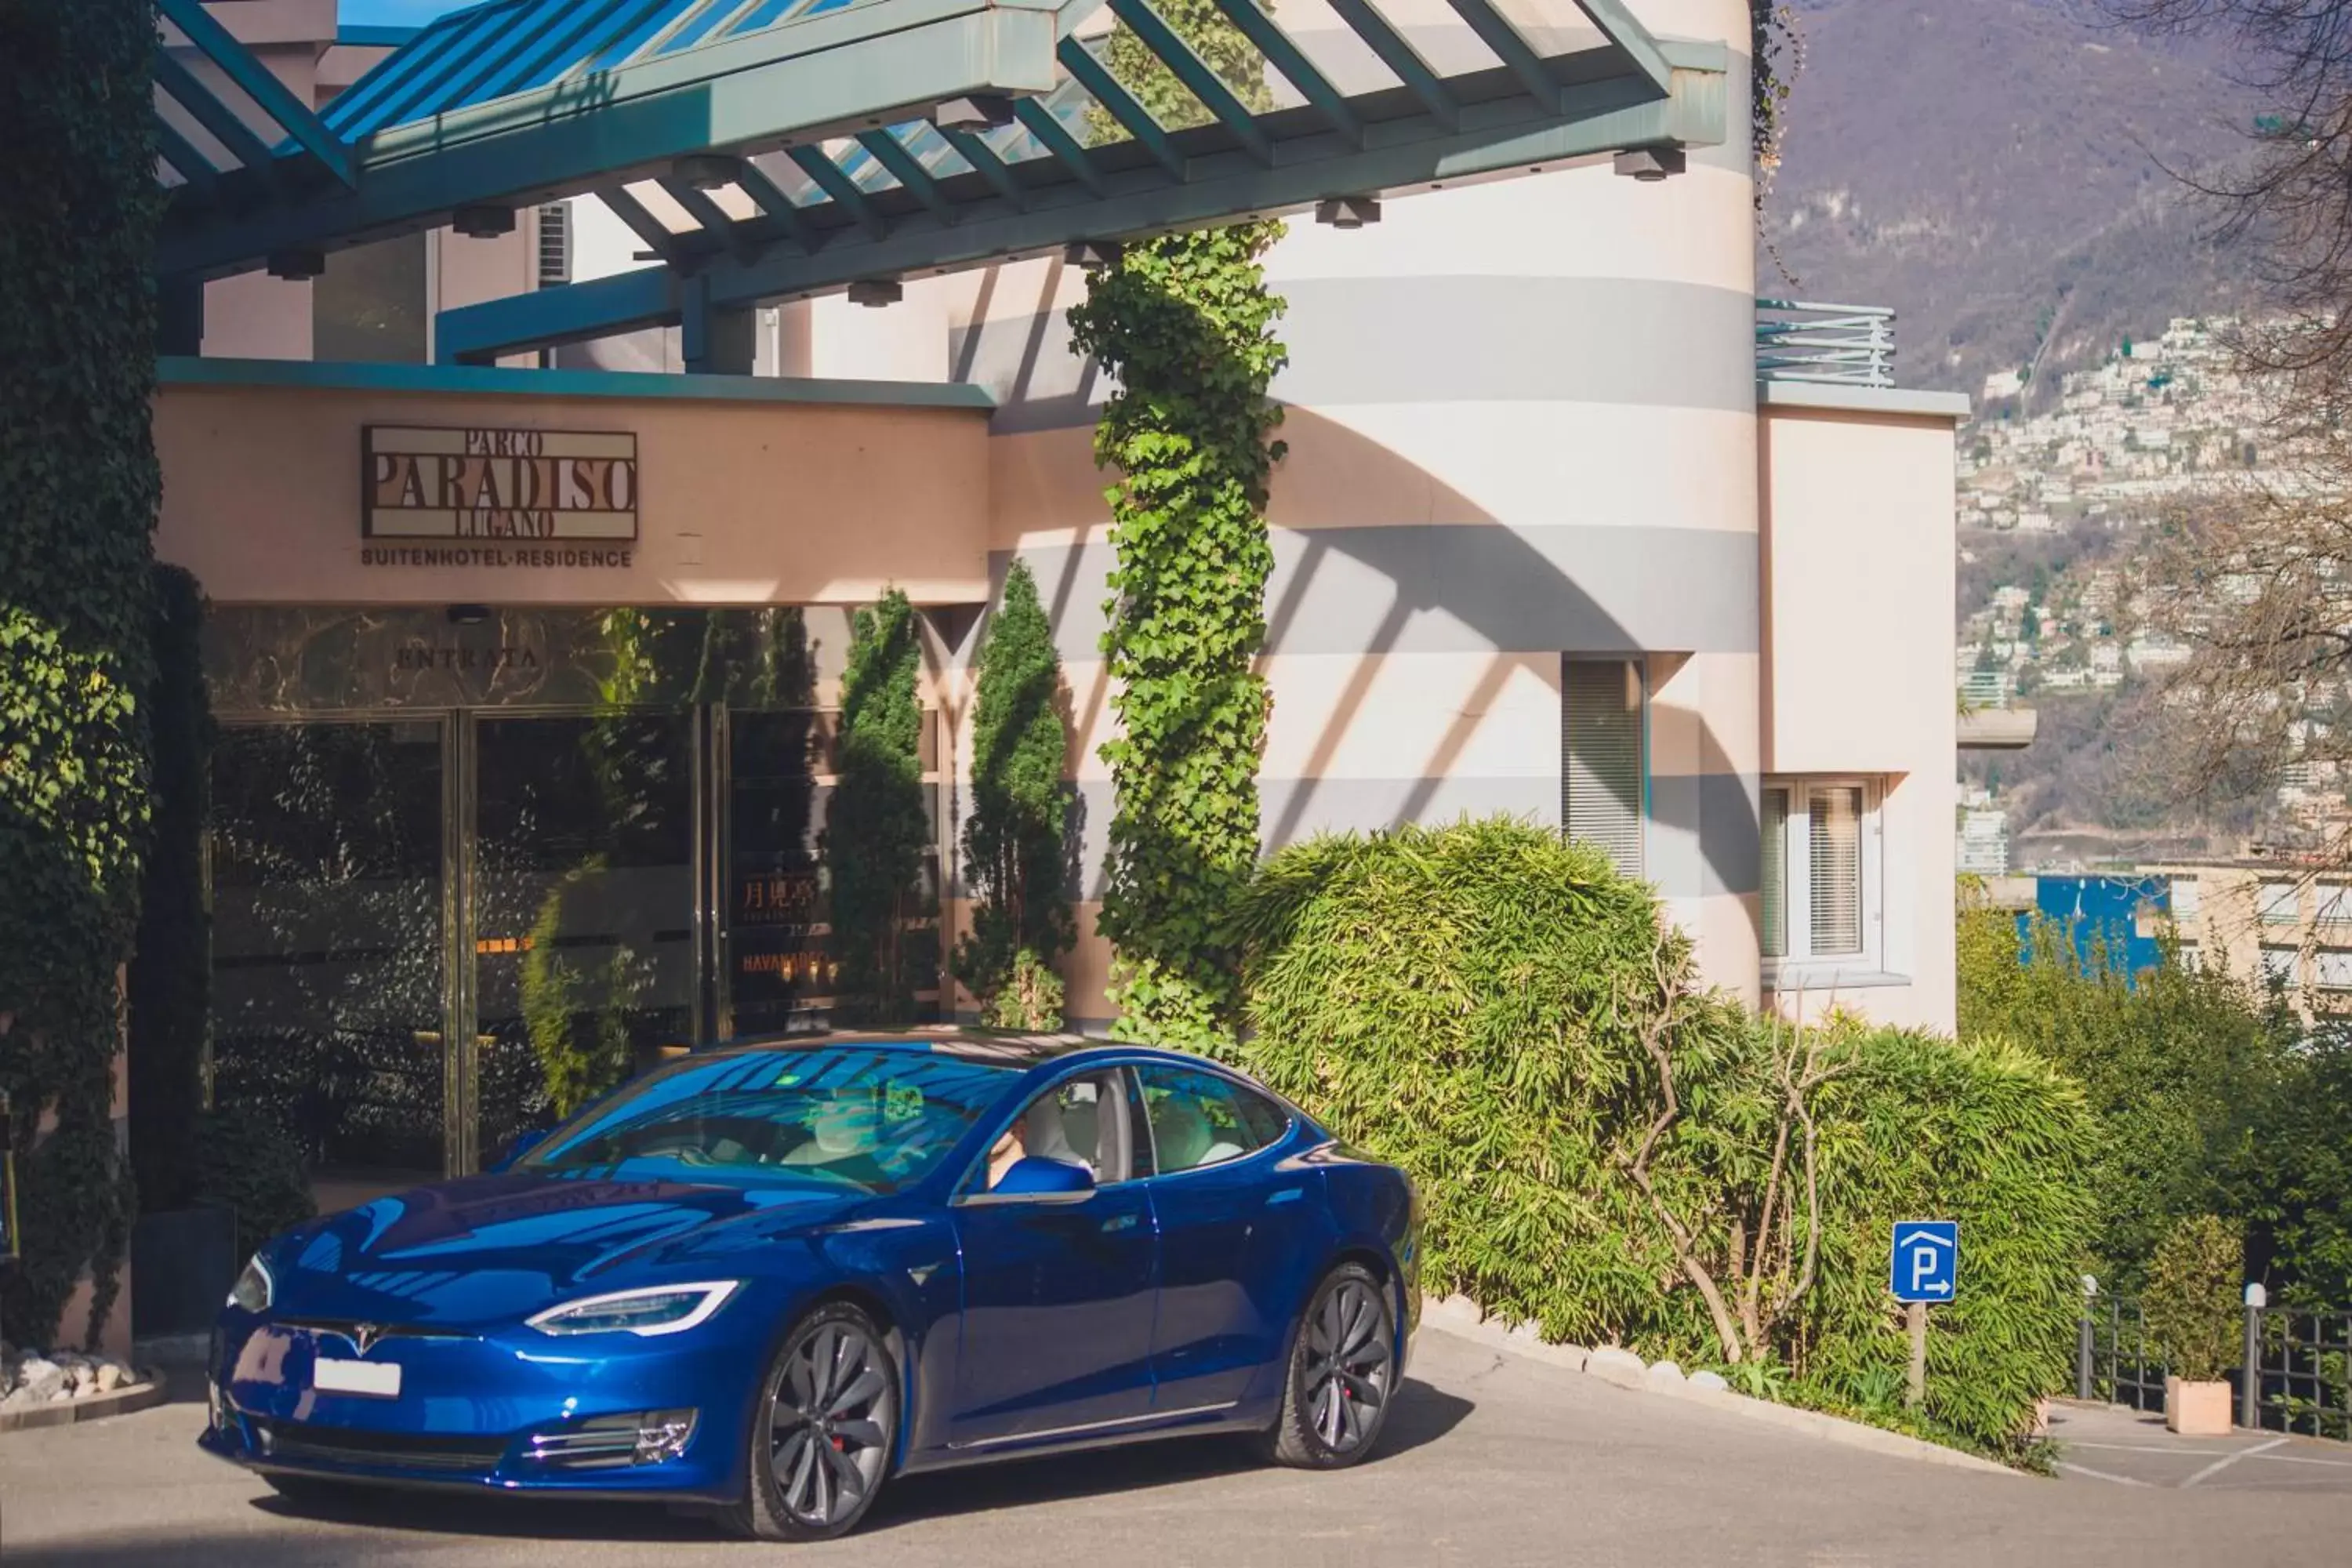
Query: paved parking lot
[1491, 1460]
[2123, 1447]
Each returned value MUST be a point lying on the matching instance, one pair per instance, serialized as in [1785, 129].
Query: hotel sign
[510, 487]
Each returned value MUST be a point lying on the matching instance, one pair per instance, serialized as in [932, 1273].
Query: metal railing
[2302, 1363]
[1842, 345]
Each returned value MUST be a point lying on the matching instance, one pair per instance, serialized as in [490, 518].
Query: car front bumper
[516, 1411]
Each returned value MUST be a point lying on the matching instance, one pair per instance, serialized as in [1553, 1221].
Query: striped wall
[1522, 422]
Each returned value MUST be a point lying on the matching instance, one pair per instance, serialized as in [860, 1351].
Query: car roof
[1015, 1051]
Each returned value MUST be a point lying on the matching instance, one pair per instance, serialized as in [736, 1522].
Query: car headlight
[254, 1288]
[656, 1310]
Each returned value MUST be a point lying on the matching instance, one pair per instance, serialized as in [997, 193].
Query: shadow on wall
[1440, 575]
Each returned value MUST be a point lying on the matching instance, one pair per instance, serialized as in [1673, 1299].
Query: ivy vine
[79, 489]
[1185, 323]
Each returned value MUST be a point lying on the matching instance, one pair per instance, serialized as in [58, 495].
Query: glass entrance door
[581, 835]
[328, 915]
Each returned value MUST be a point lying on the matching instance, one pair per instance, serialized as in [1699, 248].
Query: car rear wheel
[825, 1431]
[1341, 1377]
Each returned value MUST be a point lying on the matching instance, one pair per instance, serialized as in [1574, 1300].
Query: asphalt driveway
[1490, 1460]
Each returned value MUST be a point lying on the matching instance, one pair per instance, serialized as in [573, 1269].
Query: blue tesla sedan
[770, 1276]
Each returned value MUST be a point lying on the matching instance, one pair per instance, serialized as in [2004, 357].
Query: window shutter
[1836, 870]
[1776, 873]
[555, 244]
[1601, 768]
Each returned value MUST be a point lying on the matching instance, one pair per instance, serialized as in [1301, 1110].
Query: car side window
[1198, 1118]
[1081, 1120]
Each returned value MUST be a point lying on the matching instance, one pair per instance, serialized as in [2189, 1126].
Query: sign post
[1923, 1267]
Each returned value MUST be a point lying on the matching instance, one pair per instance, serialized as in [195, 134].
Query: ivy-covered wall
[78, 490]
[1186, 324]
[876, 827]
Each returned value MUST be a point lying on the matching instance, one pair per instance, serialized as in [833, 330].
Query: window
[1080, 1121]
[2335, 904]
[2280, 963]
[555, 245]
[1198, 1118]
[2331, 970]
[1604, 764]
[2188, 898]
[2279, 903]
[1819, 864]
[370, 304]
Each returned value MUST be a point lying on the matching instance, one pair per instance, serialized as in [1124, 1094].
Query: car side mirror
[522, 1143]
[1035, 1177]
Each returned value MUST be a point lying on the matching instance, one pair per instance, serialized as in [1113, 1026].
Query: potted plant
[2192, 1306]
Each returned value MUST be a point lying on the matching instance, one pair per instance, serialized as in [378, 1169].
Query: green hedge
[1477, 1003]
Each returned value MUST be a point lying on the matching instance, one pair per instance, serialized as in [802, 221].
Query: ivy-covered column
[77, 495]
[1186, 325]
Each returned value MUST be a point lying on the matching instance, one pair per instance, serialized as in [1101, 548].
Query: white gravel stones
[1622, 1367]
[30, 1378]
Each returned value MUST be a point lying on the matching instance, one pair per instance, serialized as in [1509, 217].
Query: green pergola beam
[649, 228]
[845, 191]
[1194, 72]
[1623, 28]
[1405, 61]
[1121, 105]
[208, 110]
[181, 153]
[776, 206]
[888, 152]
[1503, 40]
[1039, 121]
[886, 60]
[257, 82]
[1288, 59]
[1495, 136]
[988, 165]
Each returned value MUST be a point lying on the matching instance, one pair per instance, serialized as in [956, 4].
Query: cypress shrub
[875, 827]
[1013, 844]
[168, 987]
[1479, 1004]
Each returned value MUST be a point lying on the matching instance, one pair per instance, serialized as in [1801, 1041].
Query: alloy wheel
[1348, 1366]
[829, 1436]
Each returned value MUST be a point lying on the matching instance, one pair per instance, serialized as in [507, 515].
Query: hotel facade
[532, 516]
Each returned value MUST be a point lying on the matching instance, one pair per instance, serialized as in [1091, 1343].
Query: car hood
[489, 1249]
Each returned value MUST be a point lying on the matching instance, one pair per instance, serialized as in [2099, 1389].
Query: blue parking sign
[1926, 1262]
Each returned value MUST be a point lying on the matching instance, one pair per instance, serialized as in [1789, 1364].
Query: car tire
[1342, 1378]
[825, 1431]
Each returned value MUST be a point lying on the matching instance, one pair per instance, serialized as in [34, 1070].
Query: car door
[1238, 1229]
[1057, 1289]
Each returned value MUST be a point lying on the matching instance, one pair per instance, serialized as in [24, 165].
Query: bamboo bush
[2192, 1298]
[1607, 1150]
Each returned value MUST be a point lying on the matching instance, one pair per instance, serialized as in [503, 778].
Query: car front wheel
[1343, 1375]
[824, 1433]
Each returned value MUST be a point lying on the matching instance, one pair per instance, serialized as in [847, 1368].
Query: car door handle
[1119, 1221]
[1287, 1196]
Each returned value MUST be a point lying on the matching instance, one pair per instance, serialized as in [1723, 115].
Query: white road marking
[2102, 1475]
[2217, 1466]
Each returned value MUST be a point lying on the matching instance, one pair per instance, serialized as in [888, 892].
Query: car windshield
[876, 1118]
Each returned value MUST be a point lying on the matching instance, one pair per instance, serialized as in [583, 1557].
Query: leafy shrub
[1029, 1000]
[252, 1166]
[1501, 1014]
[875, 827]
[2192, 1298]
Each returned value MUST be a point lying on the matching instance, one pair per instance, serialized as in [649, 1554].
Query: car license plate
[369, 1379]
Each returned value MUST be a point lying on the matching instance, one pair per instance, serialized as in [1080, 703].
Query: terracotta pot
[2196, 1409]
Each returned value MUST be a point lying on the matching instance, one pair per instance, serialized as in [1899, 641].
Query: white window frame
[1801, 967]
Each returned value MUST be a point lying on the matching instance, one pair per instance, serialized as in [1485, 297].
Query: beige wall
[743, 502]
[1859, 562]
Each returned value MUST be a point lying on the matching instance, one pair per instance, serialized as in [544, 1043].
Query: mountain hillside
[1990, 168]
